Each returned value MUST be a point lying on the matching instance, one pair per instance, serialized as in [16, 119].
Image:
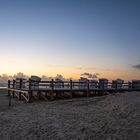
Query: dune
[110, 117]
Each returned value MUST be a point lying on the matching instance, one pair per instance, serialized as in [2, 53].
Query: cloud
[89, 75]
[46, 78]
[20, 75]
[136, 66]
[86, 74]
[59, 76]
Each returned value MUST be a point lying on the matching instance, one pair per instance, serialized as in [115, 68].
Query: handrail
[69, 84]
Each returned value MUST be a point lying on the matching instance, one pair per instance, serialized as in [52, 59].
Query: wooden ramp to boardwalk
[29, 90]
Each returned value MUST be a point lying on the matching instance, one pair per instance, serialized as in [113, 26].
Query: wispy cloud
[90, 75]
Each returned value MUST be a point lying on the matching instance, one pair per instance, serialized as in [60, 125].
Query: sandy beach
[109, 117]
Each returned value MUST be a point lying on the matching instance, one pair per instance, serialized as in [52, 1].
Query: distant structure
[103, 83]
[117, 84]
[135, 84]
[18, 84]
[83, 83]
[93, 84]
[59, 83]
[35, 82]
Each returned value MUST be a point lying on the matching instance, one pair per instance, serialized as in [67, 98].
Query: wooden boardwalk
[50, 90]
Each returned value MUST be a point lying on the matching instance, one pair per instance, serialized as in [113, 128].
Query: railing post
[9, 94]
[8, 87]
[116, 84]
[71, 85]
[13, 83]
[52, 89]
[9, 83]
[20, 83]
[13, 88]
[88, 88]
[30, 91]
[129, 85]
[20, 87]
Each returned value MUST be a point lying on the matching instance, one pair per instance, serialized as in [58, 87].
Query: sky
[70, 37]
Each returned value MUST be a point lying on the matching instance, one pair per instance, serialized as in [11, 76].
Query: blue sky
[70, 37]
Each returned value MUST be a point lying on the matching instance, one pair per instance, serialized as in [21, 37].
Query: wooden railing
[26, 88]
[89, 85]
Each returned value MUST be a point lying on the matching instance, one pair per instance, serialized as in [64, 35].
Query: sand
[110, 117]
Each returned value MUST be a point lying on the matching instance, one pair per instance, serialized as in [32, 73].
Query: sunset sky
[70, 37]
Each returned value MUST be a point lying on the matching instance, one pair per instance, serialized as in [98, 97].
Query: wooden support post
[13, 88]
[71, 85]
[129, 85]
[103, 91]
[30, 91]
[52, 89]
[39, 95]
[9, 98]
[8, 87]
[9, 93]
[88, 88]
[116, 87]
[20, 87]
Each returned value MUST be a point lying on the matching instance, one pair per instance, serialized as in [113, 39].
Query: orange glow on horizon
[67, 74]
[10, 67]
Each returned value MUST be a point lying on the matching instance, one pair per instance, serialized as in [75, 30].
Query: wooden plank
[17, 95]
[24, 97]
[35, 96]
[43, 96]
[18, 90]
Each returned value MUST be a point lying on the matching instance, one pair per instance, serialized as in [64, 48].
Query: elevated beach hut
[117, 84]
[59, 83]
[93, 84]
[103, 83]
[136, 84]
[83, 83]
[35, 82]
[18, 84]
